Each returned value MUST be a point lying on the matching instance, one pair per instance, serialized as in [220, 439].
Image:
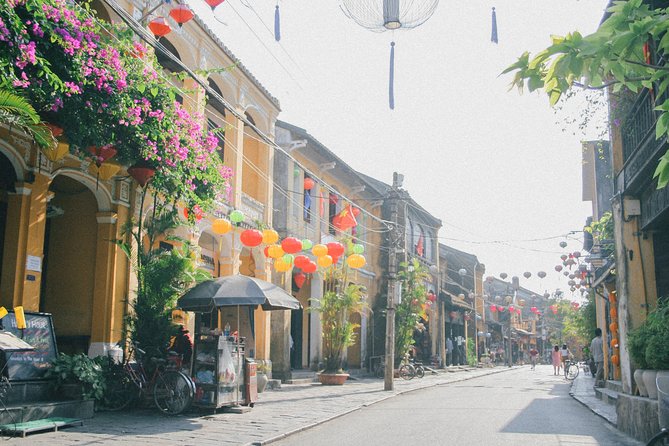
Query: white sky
[491, 164]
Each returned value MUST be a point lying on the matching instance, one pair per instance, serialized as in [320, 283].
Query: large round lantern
[356, 261]
[308, 183]
[310, 267]
[307, 244]
[335, 249]
[613, 326]
[489, 279]
[181, 14]
[251, 238]
[159, 27]
[288, 258]
[564, 257]
[270, 236]
[280, 266]
[319, 250]
[527, 274]
[324, 261]
[358, 248]
[614, 343]
[301, 260]
[221, 226]
[576, 254]
[237, 216]
[291, 245]
[275, 251]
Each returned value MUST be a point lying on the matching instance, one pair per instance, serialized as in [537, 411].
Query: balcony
[640, 147]
[253, 209]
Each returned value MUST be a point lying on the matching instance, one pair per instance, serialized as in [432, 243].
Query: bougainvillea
[104, 89]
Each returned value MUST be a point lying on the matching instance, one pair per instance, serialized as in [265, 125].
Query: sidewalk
[277, 414]
[583, 391]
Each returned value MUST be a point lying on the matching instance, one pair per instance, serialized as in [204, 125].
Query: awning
[522, 332]
[607, 269]
[458, 302]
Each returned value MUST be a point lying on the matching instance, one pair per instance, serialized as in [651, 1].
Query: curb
[348, 411]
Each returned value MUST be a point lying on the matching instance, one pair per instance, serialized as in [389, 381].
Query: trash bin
[662, 381]
[250, 383]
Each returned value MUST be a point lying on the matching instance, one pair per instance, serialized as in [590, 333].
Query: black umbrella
[237, 290]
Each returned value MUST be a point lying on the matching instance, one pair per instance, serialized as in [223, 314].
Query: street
[518, 407]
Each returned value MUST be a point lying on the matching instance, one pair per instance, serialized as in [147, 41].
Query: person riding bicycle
[565, 355]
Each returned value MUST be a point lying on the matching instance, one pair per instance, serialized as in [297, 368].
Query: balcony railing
[253, 209]
[640, 121]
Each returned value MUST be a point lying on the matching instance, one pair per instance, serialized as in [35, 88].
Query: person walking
[533, 356]
[556, 359]
[449, 352]
[597, 352]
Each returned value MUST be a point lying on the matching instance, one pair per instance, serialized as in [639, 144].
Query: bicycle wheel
[420, 371]
[380, 371]
[121, 391]
[660, 439]
[572, 372]
[173, 392]
[407, 371]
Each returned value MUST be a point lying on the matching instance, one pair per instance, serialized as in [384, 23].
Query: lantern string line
[262, 137]
[148, 38]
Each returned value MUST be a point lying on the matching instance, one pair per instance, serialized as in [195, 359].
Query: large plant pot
[662, 381]
[649, 380]
[332, 379]
[71, 391]
[638, 379]
[262, 382]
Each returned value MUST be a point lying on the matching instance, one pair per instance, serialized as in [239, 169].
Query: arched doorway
[68, 277]
[7, 181]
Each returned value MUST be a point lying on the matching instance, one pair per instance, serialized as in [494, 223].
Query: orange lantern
[159, 27]
[270, 236]
[319, 250]
[614, 343]
[613, 312]
[613, 327]
[615, 360]
[104, 171]
[221, 226]
[308, 183]
[275, 251]
[181, 14]
[356, 261]
[324, 261]
[280, 266]
[251, 237]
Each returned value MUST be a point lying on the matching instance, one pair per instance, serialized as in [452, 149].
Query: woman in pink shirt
[555, 357]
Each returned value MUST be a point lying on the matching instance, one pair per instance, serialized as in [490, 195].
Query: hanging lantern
[614, 343]
[615, 360]
[489, 279]
[613, 327]
[307, 244]
[563, 244]
[101, 154]
[181, 14]
[500, 308]
[541, 274]
[221, 226]
[270, 236]
[141, 174]
[335, 249]
[564, 257]
[324, 261]
[558, 268]
[251, 237]
[533, 309]
[288, 258]
[308, 183]
[613, 312]
[275, 251]
[55, 130]
[237, 216]
[527, 274]
[299, 279]
[266, 251]
[56, 151]
[159, 27]
[356, 261]
[576, 254]
[280, 266]
[511, 308]
[105, 171]
[503, 275]
[565, 273]
[310, 267]
[358, 248]
[518, 311]
[291, 245]
[356, 211]
[453, 314]
[493, 308]
[301, 260]
[319, 250]
[213, 3]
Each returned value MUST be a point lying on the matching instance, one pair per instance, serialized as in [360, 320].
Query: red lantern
[493, 308]
[213, 3]
[141, 174]
[299, 279]
[300, 261]
[431, 297]
[511, 307]
[533, 309]
[518, 311]
[159, 27]
[251, 237]
[310, 267]
[308, 183]
[181, 14]
[55, 130]
[355, 211]
[102, 154]
[335, 249]
[500, 308]
[266, 251]
[291, 245]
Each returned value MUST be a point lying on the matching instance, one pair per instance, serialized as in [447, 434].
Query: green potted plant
[648, 346]
[77, 377]
[408, 312]
[340, 300]
[263, 373]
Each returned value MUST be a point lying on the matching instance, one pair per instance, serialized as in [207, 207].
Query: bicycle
[419, 367]
[659, 439]
[171, 390]
[570, 370]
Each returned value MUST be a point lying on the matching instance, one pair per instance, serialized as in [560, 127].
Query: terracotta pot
[332, 379]
[648, 377]
[638, 379]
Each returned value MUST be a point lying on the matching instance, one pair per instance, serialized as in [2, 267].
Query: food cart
[222, 373]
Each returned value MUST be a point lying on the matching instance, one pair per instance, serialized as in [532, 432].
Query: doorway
[296, 343]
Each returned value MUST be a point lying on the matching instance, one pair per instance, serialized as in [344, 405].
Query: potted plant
[413, 306]
[647, 345]
[263, 373]
[340, 300]
[77, 377]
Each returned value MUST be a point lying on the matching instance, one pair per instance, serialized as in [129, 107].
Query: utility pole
[393, 287]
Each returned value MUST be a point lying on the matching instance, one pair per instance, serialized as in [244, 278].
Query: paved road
[520, 407]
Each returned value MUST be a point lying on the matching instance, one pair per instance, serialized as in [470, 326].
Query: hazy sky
[493, 165]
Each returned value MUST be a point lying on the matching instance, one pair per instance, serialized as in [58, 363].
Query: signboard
[34, 263]
[39, 333]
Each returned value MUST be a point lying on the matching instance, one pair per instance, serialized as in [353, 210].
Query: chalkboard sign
[39, 334]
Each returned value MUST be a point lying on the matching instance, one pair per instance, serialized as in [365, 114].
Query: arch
[164, 60]
[101, 10]
[225, 85]
[102, 195]
[257, 118]
[17, 162]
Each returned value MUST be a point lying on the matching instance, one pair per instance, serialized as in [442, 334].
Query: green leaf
[154, 91]
[141, 88]
[661, 125]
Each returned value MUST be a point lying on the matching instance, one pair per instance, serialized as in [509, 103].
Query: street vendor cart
[222, 373]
